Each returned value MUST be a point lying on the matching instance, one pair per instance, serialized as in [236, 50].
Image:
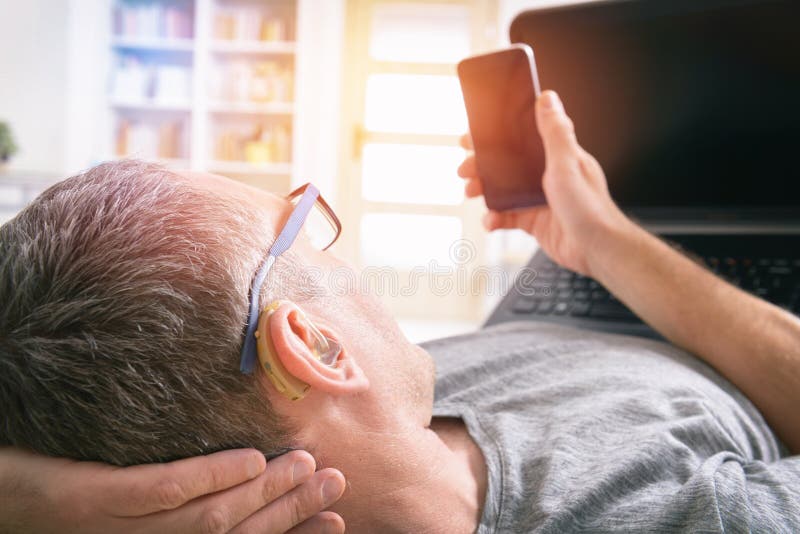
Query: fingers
[225, 510]
[466, 142]
[473, 189]
[497, 220]
[556, 128]
[592, 170]
[523, 219]
[145, 489]
[323, 522]
[468, 168]
[321, 491]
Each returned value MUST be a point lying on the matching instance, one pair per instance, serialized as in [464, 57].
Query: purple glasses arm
[284, 240]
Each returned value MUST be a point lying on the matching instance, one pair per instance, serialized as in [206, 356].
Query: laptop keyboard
[559, 292]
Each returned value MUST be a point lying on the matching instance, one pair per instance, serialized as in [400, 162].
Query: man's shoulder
[588, 430]
[544, 363]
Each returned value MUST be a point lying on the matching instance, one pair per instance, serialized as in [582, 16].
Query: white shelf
[151, 105]
[252, 47]
[252, 108]
[243, 167]
[204, 119]
[153, 43]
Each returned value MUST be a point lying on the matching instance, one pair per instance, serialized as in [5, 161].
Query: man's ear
[293, 339]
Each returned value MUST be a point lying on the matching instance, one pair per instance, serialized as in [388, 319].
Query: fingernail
[302, 472]
[331, 490]
[551, 101]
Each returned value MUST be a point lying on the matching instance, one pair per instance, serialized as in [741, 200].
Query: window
[405, 209]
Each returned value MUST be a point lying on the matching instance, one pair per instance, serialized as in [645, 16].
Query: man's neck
[432, 480]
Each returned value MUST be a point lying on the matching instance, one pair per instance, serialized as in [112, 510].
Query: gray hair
[124, 296]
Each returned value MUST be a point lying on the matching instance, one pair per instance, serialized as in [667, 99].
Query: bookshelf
[208, 85]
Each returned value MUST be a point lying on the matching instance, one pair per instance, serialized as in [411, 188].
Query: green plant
[7, 146]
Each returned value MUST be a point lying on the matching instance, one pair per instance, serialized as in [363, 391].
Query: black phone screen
[500, 91]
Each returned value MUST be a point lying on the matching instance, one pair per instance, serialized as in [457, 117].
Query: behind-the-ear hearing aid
[322, 348]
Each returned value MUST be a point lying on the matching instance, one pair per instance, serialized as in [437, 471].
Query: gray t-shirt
[591, 432]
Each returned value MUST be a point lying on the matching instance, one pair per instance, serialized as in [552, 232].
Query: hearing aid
[324, 349]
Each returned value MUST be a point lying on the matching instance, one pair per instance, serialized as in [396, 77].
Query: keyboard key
[783, 270]
[580, 309]
[581, 296]
[564, 294]
[545, 307]
[565, 275]
[581, 283]
[548, 265]
[561, 308]
[524, 304]
[546, 276]
[611, 311]
[537, 288]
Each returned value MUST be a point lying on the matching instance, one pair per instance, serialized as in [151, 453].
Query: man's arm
[752, 343]
[231, 491]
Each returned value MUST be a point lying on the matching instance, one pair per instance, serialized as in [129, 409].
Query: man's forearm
[751, 342]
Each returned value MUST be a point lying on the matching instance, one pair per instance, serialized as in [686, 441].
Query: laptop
[692, 108]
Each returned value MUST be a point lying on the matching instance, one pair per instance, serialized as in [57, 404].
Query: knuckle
[278, 478]
[565, 124]
[216, 476]
[297, 510]
[213, 521]
[274, 486]
[590, 165]
[168, 494]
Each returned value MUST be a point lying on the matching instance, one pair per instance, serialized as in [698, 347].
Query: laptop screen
[687, 104]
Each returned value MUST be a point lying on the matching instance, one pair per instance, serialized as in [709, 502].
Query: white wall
[33, 74]
[87, 131]
[319, 67]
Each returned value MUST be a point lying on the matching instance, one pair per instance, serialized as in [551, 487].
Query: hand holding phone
[579, 214]
[500, 91]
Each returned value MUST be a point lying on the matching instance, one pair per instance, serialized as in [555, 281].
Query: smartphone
[500, 91]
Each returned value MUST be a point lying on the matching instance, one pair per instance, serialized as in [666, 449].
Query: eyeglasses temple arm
[284, 240]
[248, 360]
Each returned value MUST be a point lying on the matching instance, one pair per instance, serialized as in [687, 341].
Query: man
[533, 427]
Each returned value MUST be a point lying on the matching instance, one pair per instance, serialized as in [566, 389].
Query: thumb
[556, 129]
